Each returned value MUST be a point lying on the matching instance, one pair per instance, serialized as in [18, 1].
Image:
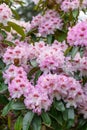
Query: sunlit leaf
[17, 28]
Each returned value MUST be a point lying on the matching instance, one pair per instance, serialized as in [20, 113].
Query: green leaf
[69, 124]
[84, 127]
[16, 15]
[81, 123]
[60, 35]
[7, 28]
[18, 106]
[22, 3]
[17, 28]
[75, 13]
[3, 88]
[65, 114]
[33, 37]
[27, 120]
[32, 71]
[56, 126]
[3, 100]
[36, 123]
[33, 63]
[46, 118]
[82, 49]
[9, 43]
[74, 51]
[1, 79]
[59, 105]
[2, 65]
[32, 32]
[57, 117]
[68, 50]
[71, 114]
[38, 73]
[69, 117]
[49, 39]
[3, 33]
[18, 123]
[7, 108]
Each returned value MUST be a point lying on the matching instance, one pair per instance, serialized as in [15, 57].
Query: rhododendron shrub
[44, 66]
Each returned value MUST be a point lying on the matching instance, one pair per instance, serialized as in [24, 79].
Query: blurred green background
[27, 11]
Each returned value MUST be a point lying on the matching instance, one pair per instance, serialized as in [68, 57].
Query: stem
[9, 122]
[43, 127]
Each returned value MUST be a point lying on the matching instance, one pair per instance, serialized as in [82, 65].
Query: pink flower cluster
[48, 23]
[15, 55]
[35, 50]
[62, 87]
[5, 13]
[12, 72]
[37, 100]
[51, 58]
[77, 64]
[19, 85]
[53, 83]
[55, 80]
[77, 35]
[47, 57]
[52, 86]
[48, 87]
[68, 5]
[17, 81]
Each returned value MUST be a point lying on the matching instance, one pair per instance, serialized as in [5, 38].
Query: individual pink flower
[16, 55]
[15, 87]
[12, 72]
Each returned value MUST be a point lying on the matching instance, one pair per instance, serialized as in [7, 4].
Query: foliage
[43, 68]
[27, 11]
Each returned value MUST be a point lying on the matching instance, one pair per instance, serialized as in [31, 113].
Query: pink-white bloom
[5, 14]
[77, 35]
